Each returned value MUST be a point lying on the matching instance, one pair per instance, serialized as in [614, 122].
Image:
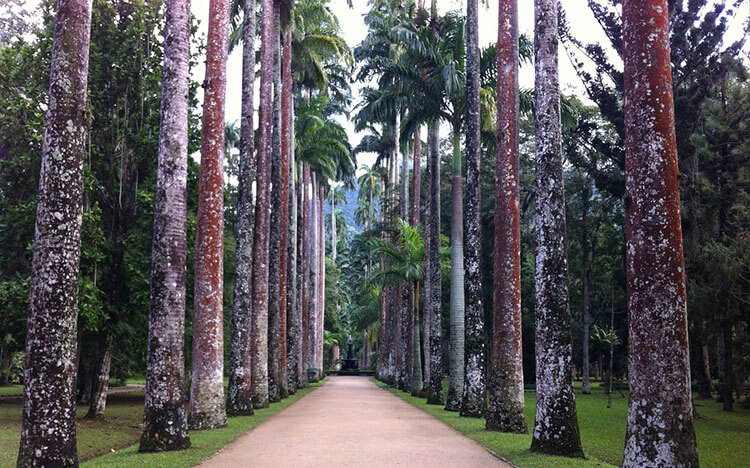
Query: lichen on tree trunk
[556, 423]
[432, 306]
[239, 395]
[207, 403]
[164, 415]
[505, 412]
[660, 420]
[101, 384]
[259, 327]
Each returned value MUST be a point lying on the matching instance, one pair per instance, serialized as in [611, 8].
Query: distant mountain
[348, 210]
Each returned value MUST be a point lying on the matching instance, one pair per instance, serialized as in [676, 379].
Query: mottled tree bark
[207, 404]
[313, 267]
[660, 418]
[405, 311]
[417, 382]
[457, 302]
[101, 384]
[556, 423]
[276, 382]
[48, 424]
[164, 415]
[435, 382]
[321, 279]
[304, 271]
[505, 412]
[259, 327]
[239, 392]
[474, 399]
[586, 325]
[287, 149]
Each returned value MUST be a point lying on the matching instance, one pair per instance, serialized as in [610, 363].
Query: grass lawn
[117, 436]
[722, 437]
[11, 390]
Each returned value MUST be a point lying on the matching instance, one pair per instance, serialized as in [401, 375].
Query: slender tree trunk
[660, 423]
[474, 401]
[313, 266]
[586, 386]
[556, 424]
[101, 385]
[276, 384]
[407, 304]
[293, 319]
[239, 393]
[611, 354]
[321, 278]
[207, 404]
[164, 416]
[435, 382]
[727, 379]
[259, 326]
[417, 383]
[304, 240]
[457, 316]
[333, 229]
[705, 385]
[505, 411]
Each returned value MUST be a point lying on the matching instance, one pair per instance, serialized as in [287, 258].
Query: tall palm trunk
[456, 387]
[304, 269]
[433, 309]
[474, 399]
[405, 311]
[556, 424]
[321, 279]
[239, 393]
[207, 405]
[586, 325]
[313, 266]
[333, 229]
[259, 328]
[505, 411]
[48, 425]
[164, 417]
[276, 384]
[660, 419]
[287, 149]
[417, 383]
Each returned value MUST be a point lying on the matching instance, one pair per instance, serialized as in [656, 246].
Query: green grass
[11, 390]
[722, 436]
[120, 432]
[204, 443]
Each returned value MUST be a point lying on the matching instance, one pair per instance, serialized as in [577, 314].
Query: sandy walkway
[352, 422]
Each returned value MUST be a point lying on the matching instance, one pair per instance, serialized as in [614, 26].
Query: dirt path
[352, 422]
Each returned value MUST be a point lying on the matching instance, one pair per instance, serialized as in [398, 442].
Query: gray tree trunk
[474, 398]
[433, 310]
[164, 416]
[556, 424]
[660, 418]
[457, 311]
[207, 403]
[505, 411]
[586, 325]
[101, 385]
[294, 313]
[275, 340]
[259, 327]
[313, 292]
[239, 393]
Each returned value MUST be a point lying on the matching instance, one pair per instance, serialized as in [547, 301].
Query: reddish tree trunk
[289, 238]
[207, 406]
[48, 426]
[239, 394]
[164, 416]
[505, 412]
[660, 418]
[259, 329]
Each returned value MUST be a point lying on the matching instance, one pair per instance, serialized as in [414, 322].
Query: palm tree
[336, 195]
[505, 412]
[239, 392]
[276, 326]
[474, 400]
[556, 424]
[259, 328]
[660, 423]
[164, 418]
[48, 425]
[207, 404]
